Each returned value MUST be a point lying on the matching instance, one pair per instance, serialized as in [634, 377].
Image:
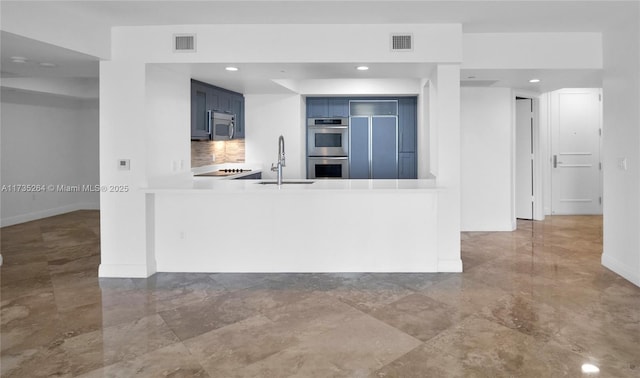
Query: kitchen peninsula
[243, 226]
[207, 225]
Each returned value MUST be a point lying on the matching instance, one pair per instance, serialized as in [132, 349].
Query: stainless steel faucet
[281, 162]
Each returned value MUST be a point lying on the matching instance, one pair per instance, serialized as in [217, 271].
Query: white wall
[266, 118]
[621, 139]
[350, 87]
[50, 140]
[486, 159]
[168, 123]
[532, 50]
[123, 135]
[295, 43]
[545, 150]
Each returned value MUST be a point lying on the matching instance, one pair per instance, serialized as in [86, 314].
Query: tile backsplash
[228, 151]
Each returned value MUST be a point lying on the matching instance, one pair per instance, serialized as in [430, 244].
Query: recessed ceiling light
[46, 64]
[18, 59]
[534, 80]
[590, 369]
[471, 77]
[231, 68]
[362, 68]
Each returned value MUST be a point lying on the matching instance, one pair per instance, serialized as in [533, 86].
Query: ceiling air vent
[401, 42]
[184, 43]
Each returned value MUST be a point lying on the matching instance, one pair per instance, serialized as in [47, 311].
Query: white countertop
[208, 185]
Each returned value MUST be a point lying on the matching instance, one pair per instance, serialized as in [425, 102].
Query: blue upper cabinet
[237, 108]
[201, 97]
[317, 107]
[323, 107]
[208, 98]
[338, 107]
[407, 121]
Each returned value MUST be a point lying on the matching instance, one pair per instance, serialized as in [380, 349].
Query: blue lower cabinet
[254, 176]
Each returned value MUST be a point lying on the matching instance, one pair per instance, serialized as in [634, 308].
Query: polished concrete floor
[531, 303]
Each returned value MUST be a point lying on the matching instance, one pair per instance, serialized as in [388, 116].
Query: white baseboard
[622, 269]
[124, 271]
[28, 217]
[505, 227]
[451, 266]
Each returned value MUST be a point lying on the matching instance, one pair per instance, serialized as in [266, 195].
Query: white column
[447, 138]
[621, 153]
[123, 135]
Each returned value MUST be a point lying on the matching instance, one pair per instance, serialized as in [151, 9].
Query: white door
[524, 158]
[575, 144]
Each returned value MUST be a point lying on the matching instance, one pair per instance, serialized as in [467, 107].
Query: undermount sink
[285, 182]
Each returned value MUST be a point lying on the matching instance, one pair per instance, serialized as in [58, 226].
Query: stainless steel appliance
[328, 167]
[223, 125]
[328, 137]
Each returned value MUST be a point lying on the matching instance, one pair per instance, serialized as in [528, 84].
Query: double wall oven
[328, 148]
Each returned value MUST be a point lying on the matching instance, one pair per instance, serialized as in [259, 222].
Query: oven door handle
[328, 157]
[328, 127]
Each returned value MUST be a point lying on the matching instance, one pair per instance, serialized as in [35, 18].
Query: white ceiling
[67, 63]
[475, 16]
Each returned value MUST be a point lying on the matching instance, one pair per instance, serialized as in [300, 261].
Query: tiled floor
[531, 303]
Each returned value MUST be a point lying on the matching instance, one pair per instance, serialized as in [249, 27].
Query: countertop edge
[204, 185]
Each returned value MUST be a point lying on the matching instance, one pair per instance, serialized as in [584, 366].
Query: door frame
[540, 151]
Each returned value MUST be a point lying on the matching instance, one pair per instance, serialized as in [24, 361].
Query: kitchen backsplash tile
[229, 151]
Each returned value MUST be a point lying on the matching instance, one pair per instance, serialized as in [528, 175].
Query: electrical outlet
[213, 157]
[124, 164]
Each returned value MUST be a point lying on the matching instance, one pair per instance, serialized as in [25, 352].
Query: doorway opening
[525, 165]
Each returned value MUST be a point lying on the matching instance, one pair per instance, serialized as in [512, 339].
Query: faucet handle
[274, 167]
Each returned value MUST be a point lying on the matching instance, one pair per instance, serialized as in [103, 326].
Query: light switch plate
[124, 164]
[622, 163]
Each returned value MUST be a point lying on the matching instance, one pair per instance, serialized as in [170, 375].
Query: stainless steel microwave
[223, 126]
[328, 137]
